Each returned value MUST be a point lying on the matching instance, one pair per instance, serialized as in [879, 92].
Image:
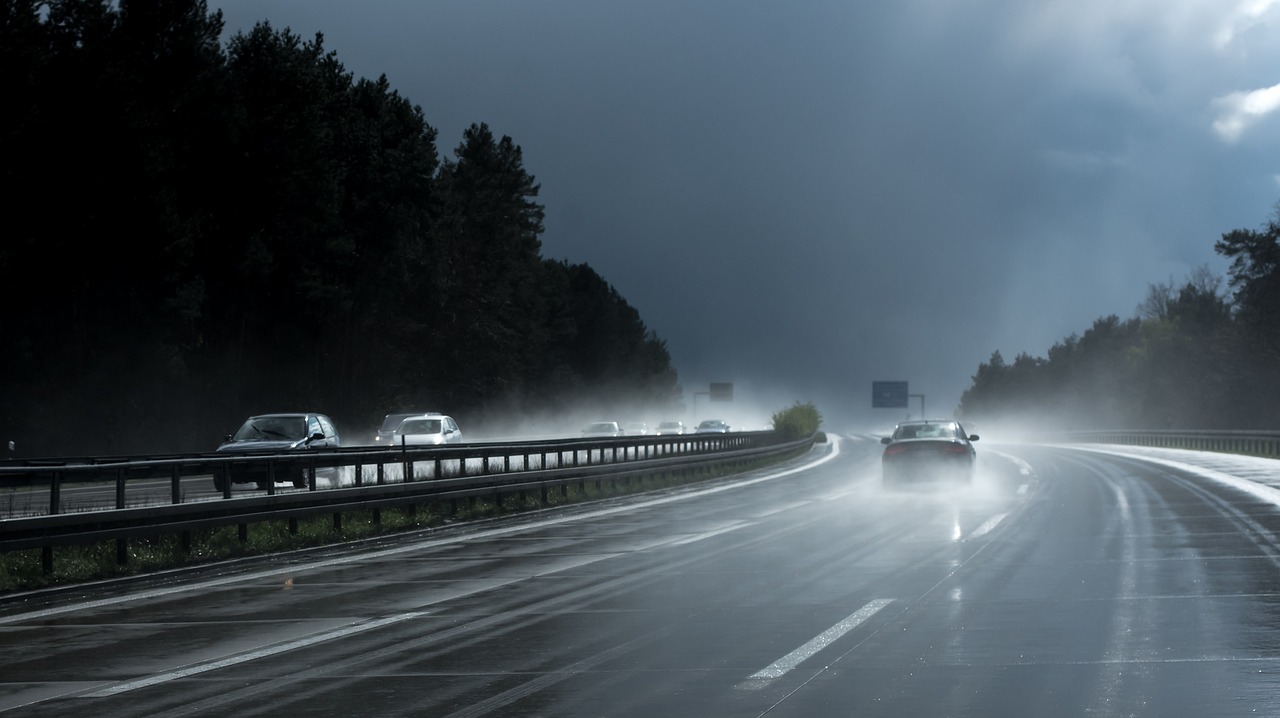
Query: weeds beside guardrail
[183, 533]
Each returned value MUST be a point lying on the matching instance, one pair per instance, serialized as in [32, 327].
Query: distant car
[928, 450]
[277, 434]
[390, 423]
[713, 426]
[426, 430]
[635, 428]
[601, 429]
[667, 428]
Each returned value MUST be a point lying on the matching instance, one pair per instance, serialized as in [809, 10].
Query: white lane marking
[839, 494]
[990, 524]
[783, 665]
[713, 532]
[204, 586]
[251, 656]
[781, 509]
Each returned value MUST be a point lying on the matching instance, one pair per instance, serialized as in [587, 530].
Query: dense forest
[1204, 354]
[200, 231]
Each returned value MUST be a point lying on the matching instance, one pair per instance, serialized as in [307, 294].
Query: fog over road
[1066, 582]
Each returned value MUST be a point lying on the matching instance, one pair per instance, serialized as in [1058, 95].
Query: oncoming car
[277, 434]
[426, 430]
[713, 426]
[927, 450]
[669, 427]
[599, 429]
[390, 422]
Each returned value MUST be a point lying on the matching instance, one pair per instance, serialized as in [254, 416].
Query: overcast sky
[804, 197]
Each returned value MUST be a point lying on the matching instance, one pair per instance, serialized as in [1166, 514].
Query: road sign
[722, 391]
[888, 394]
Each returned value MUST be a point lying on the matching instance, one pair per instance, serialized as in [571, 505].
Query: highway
[1066, 582]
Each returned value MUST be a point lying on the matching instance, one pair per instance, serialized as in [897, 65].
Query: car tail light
[956, 448]
[894, 449]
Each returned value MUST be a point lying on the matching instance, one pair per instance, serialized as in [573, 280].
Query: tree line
[200, 231]
[1203, 354]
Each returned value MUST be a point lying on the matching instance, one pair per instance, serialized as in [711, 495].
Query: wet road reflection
[1063, 583]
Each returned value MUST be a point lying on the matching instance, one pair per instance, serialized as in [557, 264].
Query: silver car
[600, 429]
[426, 430]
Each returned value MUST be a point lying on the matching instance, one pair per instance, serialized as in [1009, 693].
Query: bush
[797, 421]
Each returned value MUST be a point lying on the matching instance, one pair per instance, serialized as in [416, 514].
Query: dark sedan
[926, 451]
[269, 434]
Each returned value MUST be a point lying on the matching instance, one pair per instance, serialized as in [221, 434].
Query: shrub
[797, 421]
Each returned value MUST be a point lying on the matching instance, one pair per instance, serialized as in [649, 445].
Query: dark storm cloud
[805, 197]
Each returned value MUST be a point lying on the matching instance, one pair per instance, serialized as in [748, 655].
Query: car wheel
[220, 484]
[300, 480]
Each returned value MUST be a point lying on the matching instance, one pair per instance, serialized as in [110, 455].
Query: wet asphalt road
[1064, 583]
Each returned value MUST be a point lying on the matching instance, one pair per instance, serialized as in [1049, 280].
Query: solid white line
[251, 656]
[783, 665]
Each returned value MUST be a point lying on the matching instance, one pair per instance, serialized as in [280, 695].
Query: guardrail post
[55, 493]
[120, 488]
[175, 485]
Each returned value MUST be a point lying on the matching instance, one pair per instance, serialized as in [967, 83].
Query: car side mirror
[886, 440]
[316, 437]
[973, 437]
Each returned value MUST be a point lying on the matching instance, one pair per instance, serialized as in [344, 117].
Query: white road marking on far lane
[785, 664]
[251, 656]
[990, 524]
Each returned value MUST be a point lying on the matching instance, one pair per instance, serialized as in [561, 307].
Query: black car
[268, 434]
[387, 429]
[928, 450]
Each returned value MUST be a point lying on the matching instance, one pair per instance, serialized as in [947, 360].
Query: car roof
[430, 415]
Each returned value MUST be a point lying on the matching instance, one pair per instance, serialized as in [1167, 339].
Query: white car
[713, 426]
[426, 430]
[667, 428]
[600, 429]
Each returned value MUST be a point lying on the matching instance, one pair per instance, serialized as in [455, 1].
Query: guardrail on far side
[1252, 443]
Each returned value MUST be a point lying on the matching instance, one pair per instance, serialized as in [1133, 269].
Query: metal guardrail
[156, 496]
[1253, 443]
